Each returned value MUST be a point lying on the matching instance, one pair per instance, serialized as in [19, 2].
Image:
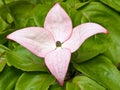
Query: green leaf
[83, 83]
[23, 59]
[2, 63]
[91, 47]
[9, 18]
[112, 3]
[40, 12]
[3, 51]
[56, 86]
[71, 86]
[8, 78]
[21, 12]
[3, 25]
[102, 71]
[34, 81]
[1, 3]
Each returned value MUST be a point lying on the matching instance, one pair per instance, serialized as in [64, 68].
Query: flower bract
[56, 40]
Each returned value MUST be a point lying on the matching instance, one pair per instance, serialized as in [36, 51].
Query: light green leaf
[9, 18]
[40, 13]
[83, 83]
[34, 81]
[1, 3]
[23, 59]
[2, 63]
[3, 25]
[71, 86]
[3, 51]
[102, 71]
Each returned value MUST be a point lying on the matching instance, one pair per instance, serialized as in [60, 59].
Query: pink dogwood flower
[56, 41]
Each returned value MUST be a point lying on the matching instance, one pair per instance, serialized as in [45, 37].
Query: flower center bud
[58, 44]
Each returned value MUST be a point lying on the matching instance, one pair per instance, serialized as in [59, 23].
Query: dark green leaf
[56, 86]
[21, 12]
[8, 78]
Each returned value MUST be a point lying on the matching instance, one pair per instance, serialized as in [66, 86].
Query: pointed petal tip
[57, 62]
[58, 23]
[34, 39]
[57, 3]
[106, 32]
[10, 36]
[81, 33]
[7, 36]
[98, 26]
[61, 83]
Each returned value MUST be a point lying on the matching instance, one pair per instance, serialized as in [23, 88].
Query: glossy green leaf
[23, 59]
[8, 78]
[34, 81]
[102, 71]
[112, 3]
[83, 83]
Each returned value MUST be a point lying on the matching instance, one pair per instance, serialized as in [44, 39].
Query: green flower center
[58, 44]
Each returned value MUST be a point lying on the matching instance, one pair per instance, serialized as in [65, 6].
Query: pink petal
[81, 33]
[35, 39]
[58, 23]
[57, 62]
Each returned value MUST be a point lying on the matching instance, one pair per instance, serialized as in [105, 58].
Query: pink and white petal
[58, 23]
[35, 39]
[81, 33]
[57, 62]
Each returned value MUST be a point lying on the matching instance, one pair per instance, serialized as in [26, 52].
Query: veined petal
[57, 62]
[58, 23]
[35, 39]
[81, 33]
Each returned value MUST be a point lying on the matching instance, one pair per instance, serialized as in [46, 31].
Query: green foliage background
[95, 66]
